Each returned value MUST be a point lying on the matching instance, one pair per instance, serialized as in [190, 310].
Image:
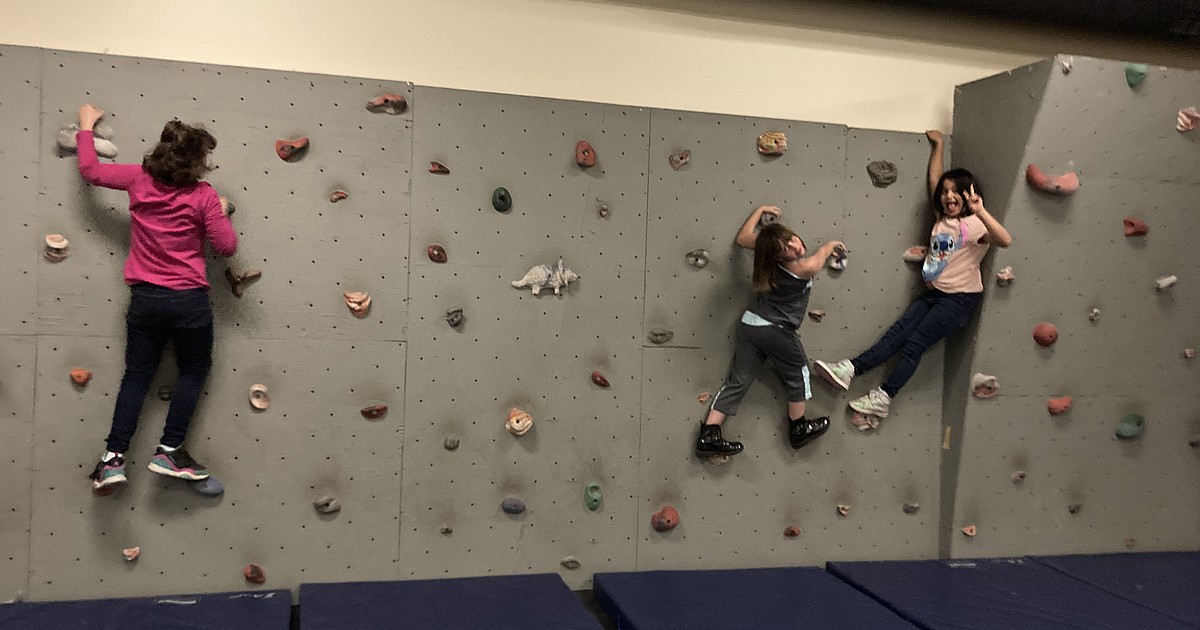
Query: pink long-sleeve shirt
[168, 226]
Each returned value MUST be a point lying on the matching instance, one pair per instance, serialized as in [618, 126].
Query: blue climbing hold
[210, 487]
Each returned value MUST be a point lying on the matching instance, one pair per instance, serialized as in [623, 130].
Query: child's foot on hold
[803, 431]
[838, 374]
[177, 463]
[711, 443]
[108, 474]
[874, 403]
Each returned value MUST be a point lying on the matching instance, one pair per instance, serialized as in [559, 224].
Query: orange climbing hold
[1045, 334]
[1059, 406]
[665, 519]
[81, 376]
[969, 531]
[1065, 184]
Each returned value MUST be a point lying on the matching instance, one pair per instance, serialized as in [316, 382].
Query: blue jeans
[157, 314]
[928, 320]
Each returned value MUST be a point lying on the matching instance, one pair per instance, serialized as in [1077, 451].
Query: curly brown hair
[181, 156]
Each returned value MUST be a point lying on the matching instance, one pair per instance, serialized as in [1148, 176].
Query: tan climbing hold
[678, 160]
[1189, 353]
[288, 149]
[1129, 543]
[585, 155]
[1165, 282]
[865, 421]
[338, 195]
[1045, 334]
[437, 168]
[57, 247]
[791, 531]
[915, 254]
[1065, 184]
[984, 386]
[843, 509]
[816, 315]
[392, 104]
[259, 397]
[254, 574]
[570, 562]
[359, 303]
[772, 143]
[1187, 119]
[704, 398]
[374, 412]
[602, 211]
[519, 422]
[1017, 476]
[1094, 314]
[717, 459]
[1059, 406]
[237, 279]
[81, 376]
[1005, 277]
[131, 553]
[969, 531]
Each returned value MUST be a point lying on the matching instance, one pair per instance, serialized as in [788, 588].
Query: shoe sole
[178, 474]
[863, 409]
[112, 481]
[827, 374]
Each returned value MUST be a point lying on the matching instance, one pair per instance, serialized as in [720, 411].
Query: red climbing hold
[254, 573]
[599, 379]
[81, 376]
[791, 531]
[1135, 226]
[585, 155]
[1045, 334]
[436, 253]
[1059, 406]
[374, 412]
[437, 168]
[288, 149]
[1065, 184]
[338, 195]
[665, 519]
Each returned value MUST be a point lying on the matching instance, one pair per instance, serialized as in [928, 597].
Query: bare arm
[808, 266]
[936, 159]
[749, 231]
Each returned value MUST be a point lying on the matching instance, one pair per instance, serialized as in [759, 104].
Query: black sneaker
[108, 474]
[711, 443]
[177, 463]
[801, 432]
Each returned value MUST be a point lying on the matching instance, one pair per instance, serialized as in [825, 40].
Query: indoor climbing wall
[1038, 483]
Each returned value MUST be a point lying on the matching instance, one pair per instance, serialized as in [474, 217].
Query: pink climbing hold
[1059, 406]
[288, 149]
[338, 195]
[131, 553]
[665, 519]
[254, 574]
[437, 168]
[1135, 227]
[1187, 120]
[392, 104]
[585, 155]
[1045, 334]
[969, 531]
[791, 531]
[915, 254]
[599, 379]
[1065, 184]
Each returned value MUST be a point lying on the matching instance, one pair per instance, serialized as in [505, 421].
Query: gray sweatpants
[754, 345]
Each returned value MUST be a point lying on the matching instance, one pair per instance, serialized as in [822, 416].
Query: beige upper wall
[863, 66]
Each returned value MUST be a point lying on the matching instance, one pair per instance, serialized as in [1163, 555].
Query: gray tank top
[786, 304]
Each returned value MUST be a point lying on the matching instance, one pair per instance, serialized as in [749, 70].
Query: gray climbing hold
[883, 174]
[911, 508]
[767, 218]
[837, 261]
[697, 258]
[454, 317]
[446, 529]
[570, 562]
[660, 336]
[327, 505]
[210, 487]
[1194, 441]
[164, 392]
[512, 505]
[451, 443]
[1074, 508]
[502, 200]
[1135, 73]
[104, 146]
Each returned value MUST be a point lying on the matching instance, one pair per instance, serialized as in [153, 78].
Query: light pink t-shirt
[167, 227]
[955, 253]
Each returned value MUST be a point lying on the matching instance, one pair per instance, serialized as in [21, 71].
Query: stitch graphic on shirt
[941, 245]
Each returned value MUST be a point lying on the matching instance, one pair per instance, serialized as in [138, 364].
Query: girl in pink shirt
[172, 214]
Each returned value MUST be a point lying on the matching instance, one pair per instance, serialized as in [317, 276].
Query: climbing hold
[772, 143]
[374, 412]
[766, 219]
[1189, 353]
[865, 421]
[1059, 406]
[1187, 120]
[585, 155]
[915, 254]
[1135, 226]
[843, 509]
[1131, 427]
[454, 316]
[593, 496]
[678, 160]
[717, 460]
[1129, 543]
[338, 195]
[660, 336]
[131, 553]
[539, 277]
[437, 168]
[359, 302]
[392, 104]
[570, 562]
[837, 261]
[697, 258]
[209, 487]
[1074, 508]
[81, 376]
[704, 397]
[969, 531]
[164, 392]
[1005, 277]
[911, 508]
[519, 422]
[1135, 73]
[1165, 282]
[512, 505]
[288, 149]
[984, 386]
[1094, 314]
[56, 248]
[1067, 64]
[1194, 440]
[1065, 184]
[436, 253]
[501, 200]
[254, 574]
[665, 519]
[1017, 476]
[101, 138]
[237, 278]
[446, 529]
[791, 531]
[883, 174]
[327, 505]
[259, 397]
[602, 211]
[227, 205]
[816, 315]
[1045, 334]
[450, 443]
[599, 379]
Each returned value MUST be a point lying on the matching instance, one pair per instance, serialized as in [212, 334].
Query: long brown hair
[181, 156]
[963, 181]
[768, 252]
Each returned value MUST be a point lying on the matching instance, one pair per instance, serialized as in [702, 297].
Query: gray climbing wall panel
[17, 356]
[519, 350]
[20, 83]
[1070, 256]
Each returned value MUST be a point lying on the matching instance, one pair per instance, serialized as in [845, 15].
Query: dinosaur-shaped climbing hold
[541, 277]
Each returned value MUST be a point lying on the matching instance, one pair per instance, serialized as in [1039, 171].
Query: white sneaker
[838, 374]
[875, 403]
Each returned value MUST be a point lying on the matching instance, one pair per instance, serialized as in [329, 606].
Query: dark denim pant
[157, 314]
[929, 319]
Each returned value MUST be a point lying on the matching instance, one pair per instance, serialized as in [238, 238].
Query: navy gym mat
[254, 610]
[507, 602]
[995, 593]
[737, 599]
[1166, 582]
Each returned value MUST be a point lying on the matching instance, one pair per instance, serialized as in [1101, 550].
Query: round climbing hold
[660, 336]
[259, 397]
[602, 211]
[1131, 427]
[289, 149]
[1189, 353]
[911, 508]
[772, 143]
[209, 487]
[57, 247]
[882, 173]
[1045, 334]
[164, 392]
[254, 574]
[1060, 405]
[791, 531]
[501, 200]
[81, 376]
[697, 258]
[436, 253]
[767, 218]
[593, 496]
[450, 443]
[1094, 314]
[665, 519]
[454, 316]
[585, 155]
[519, 422]
[374, 412]
[131, 553]
[327, 505]
[512, 505]
[570, 562]
[599, 379]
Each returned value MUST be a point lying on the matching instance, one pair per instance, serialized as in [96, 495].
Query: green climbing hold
[1131, 427]
[1135, 73]
[501, 200]
[592, 496]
